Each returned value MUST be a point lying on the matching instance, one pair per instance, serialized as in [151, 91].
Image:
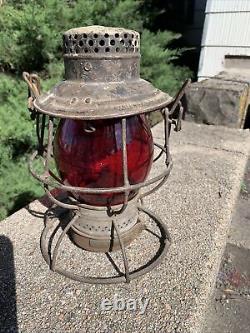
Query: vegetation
[30, 40]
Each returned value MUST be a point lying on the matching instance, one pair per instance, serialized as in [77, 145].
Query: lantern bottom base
[50, 256]
[99, 230]
[108, 244]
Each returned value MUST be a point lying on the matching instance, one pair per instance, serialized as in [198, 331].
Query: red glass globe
[89, 154]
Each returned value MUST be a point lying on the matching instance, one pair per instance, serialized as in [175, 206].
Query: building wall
[194, 24]
[226, 32]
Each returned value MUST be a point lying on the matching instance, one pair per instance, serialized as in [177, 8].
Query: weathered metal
[102, 81]
[165, 241]
[102, 72]
[93, 229]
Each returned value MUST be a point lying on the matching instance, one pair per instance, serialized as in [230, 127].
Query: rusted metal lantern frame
[171, 108]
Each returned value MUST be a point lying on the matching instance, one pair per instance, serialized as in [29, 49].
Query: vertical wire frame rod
[49, 147]
[125, 159]
[60, 239]
[167, 127]
[124, 255]
[124, 167]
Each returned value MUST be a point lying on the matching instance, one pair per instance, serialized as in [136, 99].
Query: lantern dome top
[101, 30]
[99, 39]
[102, 72]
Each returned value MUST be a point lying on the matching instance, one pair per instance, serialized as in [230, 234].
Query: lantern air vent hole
[103, 42]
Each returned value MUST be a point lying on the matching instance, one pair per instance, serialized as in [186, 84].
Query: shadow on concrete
[8, 310]
[21, 200]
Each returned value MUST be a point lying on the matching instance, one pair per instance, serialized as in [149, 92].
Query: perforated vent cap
[99, 39]
[102, 77]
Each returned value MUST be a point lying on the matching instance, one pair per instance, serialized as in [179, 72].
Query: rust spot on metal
[109, 57]
[87, 66]
[87, 100]
[73, 100]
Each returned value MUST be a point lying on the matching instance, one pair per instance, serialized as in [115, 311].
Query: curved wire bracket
[127, 276]
[177, 102]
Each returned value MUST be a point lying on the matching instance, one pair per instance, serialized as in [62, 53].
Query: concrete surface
[229, 310]
[240, 228]
[196, 204]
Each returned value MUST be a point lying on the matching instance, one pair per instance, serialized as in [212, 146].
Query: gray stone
[222, 100]
[196, 203]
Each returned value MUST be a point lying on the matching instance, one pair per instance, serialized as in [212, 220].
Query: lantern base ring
[94, 230]
[165, 241]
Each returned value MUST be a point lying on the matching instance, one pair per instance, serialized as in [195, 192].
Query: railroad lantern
[97, 130]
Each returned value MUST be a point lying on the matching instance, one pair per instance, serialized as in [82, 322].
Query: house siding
[226, 31]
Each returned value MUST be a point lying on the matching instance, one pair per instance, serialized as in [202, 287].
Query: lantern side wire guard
[126, 188]
[124, 255]
[168, 159]
[40, 132]
[165, 241]
[124, 167]
[44, 180]
[50, 145]
[163, 113]
[48, 172]
[127, 275]
[59, 241]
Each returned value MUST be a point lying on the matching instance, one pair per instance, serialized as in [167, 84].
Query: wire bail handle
[34, 90]
[177, 102]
